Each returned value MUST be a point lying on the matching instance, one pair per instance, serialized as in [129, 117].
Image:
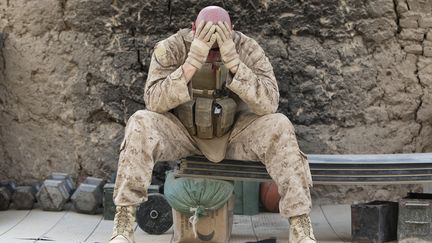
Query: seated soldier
[212, 91]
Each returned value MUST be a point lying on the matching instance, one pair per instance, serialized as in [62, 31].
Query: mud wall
[354, 76]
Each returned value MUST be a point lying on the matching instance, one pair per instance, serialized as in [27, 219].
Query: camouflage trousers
[152, 137]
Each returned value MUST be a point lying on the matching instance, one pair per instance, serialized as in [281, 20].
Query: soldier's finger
[204, 31]
[213, 38]
[228, 29]
[223, 29]
[218, 39]
[199, 28]
[209, 33]
[220, 32]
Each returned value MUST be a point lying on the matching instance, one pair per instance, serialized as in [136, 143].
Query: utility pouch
[224, 113]
[203, 117]
[185, 113]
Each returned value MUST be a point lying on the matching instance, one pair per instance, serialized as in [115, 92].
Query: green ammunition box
[246, 197]
[108, 203]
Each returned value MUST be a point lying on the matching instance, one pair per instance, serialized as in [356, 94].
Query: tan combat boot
[124, 219]
[301, 230]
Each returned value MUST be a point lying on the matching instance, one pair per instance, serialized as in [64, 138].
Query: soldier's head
[213, 14]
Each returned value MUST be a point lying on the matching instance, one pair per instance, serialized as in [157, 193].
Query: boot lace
[302, 227]
[124, 220]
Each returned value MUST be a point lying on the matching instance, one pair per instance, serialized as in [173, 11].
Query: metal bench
[326, 169]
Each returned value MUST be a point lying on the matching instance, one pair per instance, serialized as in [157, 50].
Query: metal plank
[271, 225]
[224, 170]
[333, 163]
[226, 167]
[227, 173]
[365, 175]
[219, 177]
[74, 227]
[349, 173]
[420, 158]
[102, 232]
[339, 218]
[141, 236]
[325, 169]
[369, 166]
[373, 179]
[11, 218]
[242, 229]
[34, 226]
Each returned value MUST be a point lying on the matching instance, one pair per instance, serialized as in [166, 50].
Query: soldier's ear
[193, 26]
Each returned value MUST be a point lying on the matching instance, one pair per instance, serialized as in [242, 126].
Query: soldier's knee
[143, 119]
[279, 122]
[144, 115]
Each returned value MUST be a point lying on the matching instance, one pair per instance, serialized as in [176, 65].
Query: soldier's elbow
[267, 109]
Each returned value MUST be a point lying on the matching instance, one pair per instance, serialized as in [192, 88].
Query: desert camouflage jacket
[254, 83]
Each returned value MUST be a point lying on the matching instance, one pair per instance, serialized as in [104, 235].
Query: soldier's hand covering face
[227, 48]
[204, 38]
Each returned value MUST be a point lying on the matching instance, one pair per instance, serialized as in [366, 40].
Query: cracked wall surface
[354, 77]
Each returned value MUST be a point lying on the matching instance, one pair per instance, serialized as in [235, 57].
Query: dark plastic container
[415, 218]
[375, 221]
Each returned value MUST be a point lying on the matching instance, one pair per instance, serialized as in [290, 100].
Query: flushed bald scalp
[214, 14]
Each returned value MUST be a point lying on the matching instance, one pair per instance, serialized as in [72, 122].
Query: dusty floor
[332, 223]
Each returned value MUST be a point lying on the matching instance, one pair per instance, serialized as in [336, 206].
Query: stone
[427, 51]
[377, 30]
[7, 188]
[55, 191]
[411, 15]
[412, 34]
[88, 196]
[69, 183]
[425, 22]
[423, 6]
[5, 198]
[408, 23]
[402, 6]
[380, 8]
[414, 49]
[24, 197]
[53, 195]
[429, 35]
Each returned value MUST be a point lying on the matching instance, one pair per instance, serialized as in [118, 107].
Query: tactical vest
[211, 112]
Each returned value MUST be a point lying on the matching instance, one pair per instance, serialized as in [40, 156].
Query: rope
[198, 211]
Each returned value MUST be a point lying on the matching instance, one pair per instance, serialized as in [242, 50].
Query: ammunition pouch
[204, 117]
[185, 113]
[207, 118]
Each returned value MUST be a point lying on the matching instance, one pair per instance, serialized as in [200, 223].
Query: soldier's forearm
[188, 71]
[258, 90]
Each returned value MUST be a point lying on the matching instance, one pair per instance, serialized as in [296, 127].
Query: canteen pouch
[185, 113]
[203, 117]
[224, 113]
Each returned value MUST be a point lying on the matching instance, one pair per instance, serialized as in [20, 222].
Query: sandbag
[196, 196]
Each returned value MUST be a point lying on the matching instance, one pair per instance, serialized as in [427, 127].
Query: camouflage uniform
[260, 134]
